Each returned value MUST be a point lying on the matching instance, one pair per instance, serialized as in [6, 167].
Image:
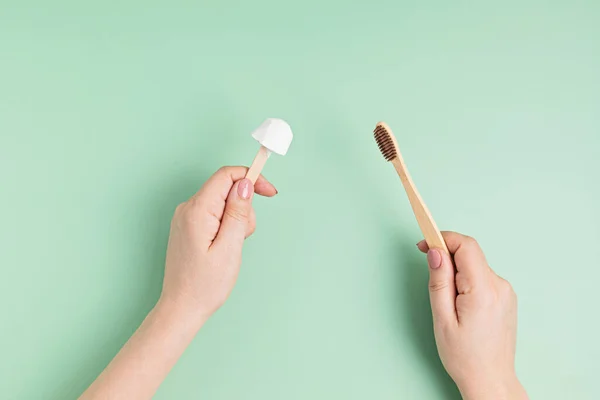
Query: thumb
[237, 214]
[442, 289]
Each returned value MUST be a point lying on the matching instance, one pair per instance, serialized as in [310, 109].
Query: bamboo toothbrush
[391, 152]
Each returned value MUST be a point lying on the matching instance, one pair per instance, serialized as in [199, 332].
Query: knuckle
[506, 289]
[251, 230]
[471, 241]
[436, 286]
[506, 286]
[223, 171]
[179, 209]
[511, 291]
[464, 284]
[509, 288]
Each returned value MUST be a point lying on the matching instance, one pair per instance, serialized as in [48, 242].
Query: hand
[205, 246]
[475, 320]
[203, 261]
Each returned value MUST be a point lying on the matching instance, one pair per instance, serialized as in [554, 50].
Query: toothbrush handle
[430, 231]
[258, 164]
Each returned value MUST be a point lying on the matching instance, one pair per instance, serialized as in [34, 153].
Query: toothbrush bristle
[385, 142]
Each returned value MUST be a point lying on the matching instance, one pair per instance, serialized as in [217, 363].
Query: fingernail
[276, 191]
[245, 189]
[434, 259]
[420, 243]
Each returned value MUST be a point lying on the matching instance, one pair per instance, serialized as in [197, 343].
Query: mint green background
[111, 113]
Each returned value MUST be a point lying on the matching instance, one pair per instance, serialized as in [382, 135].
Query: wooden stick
[258, 164]
[432, 234]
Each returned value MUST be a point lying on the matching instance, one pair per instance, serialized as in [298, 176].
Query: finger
[469, 259]
[236, 217]
[442, 290]
[422, 245]
[264, 188]
[466, 252]
[219, 185]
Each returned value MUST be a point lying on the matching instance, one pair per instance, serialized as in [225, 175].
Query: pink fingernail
[245, 188]
[434, 259]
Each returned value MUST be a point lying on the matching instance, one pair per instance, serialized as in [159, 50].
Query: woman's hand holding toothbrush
[475, 320]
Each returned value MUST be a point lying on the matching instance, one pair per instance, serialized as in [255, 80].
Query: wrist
[499, 388]
[179, 314]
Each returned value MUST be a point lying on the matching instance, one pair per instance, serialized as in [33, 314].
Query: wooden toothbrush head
[386, 141]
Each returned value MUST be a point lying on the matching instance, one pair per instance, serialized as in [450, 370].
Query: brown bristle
[385, 143]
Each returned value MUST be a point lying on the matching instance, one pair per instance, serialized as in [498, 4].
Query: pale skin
[474, 320]
[474, 310]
